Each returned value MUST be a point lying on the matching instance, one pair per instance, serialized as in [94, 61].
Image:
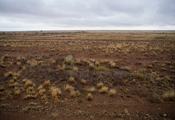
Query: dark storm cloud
[90, 14]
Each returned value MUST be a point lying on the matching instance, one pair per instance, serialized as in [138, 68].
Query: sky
[31, 15]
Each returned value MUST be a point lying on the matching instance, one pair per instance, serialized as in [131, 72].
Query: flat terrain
[79, 75]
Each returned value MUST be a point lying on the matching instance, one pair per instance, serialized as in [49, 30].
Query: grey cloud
[85, 14]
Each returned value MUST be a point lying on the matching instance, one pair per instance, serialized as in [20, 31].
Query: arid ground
[83, 75]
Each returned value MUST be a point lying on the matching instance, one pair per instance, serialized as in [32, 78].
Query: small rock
[164, 115]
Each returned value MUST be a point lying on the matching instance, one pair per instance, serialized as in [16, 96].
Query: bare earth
[138, 65]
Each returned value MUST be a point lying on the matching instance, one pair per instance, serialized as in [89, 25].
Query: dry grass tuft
[168, 95]
[99, 85]
[112, 64]
[71, 79]
[11, 85]
[47, 83]
[24, 80]
[91, 89]
[29, 97]
[16, 84]
[17, 93]
[15, 78]
[72, 93]
[55, 91]
[112, 92]
[44, 97]
[11, 81]
[68, 88]
[18, 58]
[28, 83]
[41, 92]
[75, 69]
[53, 61]
[89, 96]
[2, 88]
[83, 82]
[78, 93]
[18, 63]
[30, 88]
[103, 90]
[97, 63]
[16, 74]
[10, 73]
[28, 62]
[40, 87]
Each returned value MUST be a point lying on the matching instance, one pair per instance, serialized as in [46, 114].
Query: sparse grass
[89, 96]
[11, 81]
[18, 63]
[168, 95]
[2, 88]
[112, 92]
[83, 82]
[18, 58]
[24, 80]
[71, 79]
[29, 97]
[99, 85]
[91, 89]
[40, 87]
[103, 90]
[11, 85]
[54, 92]
[53, 61]
[17, 93]
[72, 93]
[101, 69]
[10, 73]
[78, 93]
[140, 76]
[41, 92]
[68, 88]
[75, 69]
[97, 63]
[47, 83]
[28, 83]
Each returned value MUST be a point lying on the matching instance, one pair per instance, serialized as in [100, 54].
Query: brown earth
[144, 70]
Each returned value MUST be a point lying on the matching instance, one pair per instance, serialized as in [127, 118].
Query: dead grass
[71, 79]
[168, 95]
[89, 96]
[68, 88]
[17, 93]
[47, 83]
[40, 87]
[72, 93]
[91, 89]
[75, 69]
[11, 81]
[112, 92]
[103, 90]
[99, 85]
[83, 82]
[28, 83]
[2, 88]
[41, 92]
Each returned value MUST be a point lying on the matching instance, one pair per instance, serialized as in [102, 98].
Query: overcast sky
[19, 15]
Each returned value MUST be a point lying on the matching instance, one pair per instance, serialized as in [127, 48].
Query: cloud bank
[18, 15]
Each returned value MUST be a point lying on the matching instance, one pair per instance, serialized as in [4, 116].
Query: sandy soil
[139, 65]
